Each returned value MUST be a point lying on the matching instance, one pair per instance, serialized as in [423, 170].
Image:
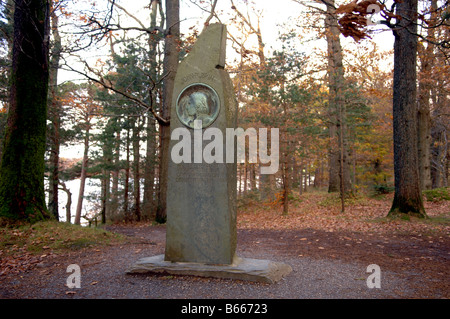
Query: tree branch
[109, 86]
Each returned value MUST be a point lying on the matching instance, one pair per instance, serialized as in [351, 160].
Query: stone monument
[201, 210]
[201, 197]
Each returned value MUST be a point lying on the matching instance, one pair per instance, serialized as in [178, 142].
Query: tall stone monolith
[201, 193]
[201, 202]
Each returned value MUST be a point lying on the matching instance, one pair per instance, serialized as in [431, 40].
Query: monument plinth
[201, 196]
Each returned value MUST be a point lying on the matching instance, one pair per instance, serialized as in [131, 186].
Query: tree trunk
[316, 182]
[170, 69]
[127, 176]
[300, 186]
[54, 117]
[106, 173]
[335, 75]
[69, 201]
[114, 205]
[267, 182]
[136, 172]
[148, 205]
[337, 114]
[439, 151]
[439, 145]
[286, 161]
[245, 178]
[252, 177]
[407, 196]
[305, 184]
[285, 173]
[341, 161]
[82, 178]
[22, 167]
[105, 195]
[424, 119]
[354, 165]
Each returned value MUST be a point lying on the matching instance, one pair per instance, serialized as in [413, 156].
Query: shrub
[383, 189]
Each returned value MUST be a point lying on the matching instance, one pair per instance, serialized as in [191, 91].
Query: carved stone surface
[201, 197]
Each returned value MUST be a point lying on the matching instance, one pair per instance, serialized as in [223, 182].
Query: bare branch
[211, 15]
[127, 13]
[108, 85]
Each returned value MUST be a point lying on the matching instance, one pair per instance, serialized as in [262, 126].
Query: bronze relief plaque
[198, 101]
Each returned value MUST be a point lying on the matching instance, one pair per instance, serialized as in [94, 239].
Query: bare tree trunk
[170, 69]
[127, 176]
[148, 205]
[316, 183]
[149, 175]
[239, 179]
[54, 117]
[341, 161]
[337, 127]
[69, 201]
[424, 119]
[354, 165]
[439, 151]
[136, 171]
[285, 186]
[294, 176]
[103, 196]
[245, 178]
[300, 170]
[82, 178]
[305, 183]
[114, 205]
[407, 196]
[336, 75]
[252, 177]
[285, 164]
[309, 173]
[439, 145]
[106, 179]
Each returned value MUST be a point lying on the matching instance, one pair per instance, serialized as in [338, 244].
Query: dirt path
[326, 264]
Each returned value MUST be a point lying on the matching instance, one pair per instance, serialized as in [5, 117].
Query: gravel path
[328, 275]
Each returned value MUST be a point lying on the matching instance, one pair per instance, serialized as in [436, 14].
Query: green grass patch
[437, 220]
[334, 200]
[437, 194]
[53, 236]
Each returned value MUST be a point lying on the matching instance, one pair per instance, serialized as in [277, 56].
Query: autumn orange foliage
[354, 17]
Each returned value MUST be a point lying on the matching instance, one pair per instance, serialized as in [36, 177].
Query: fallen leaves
[16, 264]
[318, 210]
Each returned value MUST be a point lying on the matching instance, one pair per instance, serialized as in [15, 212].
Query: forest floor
[328, 250]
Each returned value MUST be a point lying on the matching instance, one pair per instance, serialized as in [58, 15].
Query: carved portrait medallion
[198, 101]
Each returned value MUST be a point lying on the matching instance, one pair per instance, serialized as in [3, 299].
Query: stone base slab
[257, 270]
